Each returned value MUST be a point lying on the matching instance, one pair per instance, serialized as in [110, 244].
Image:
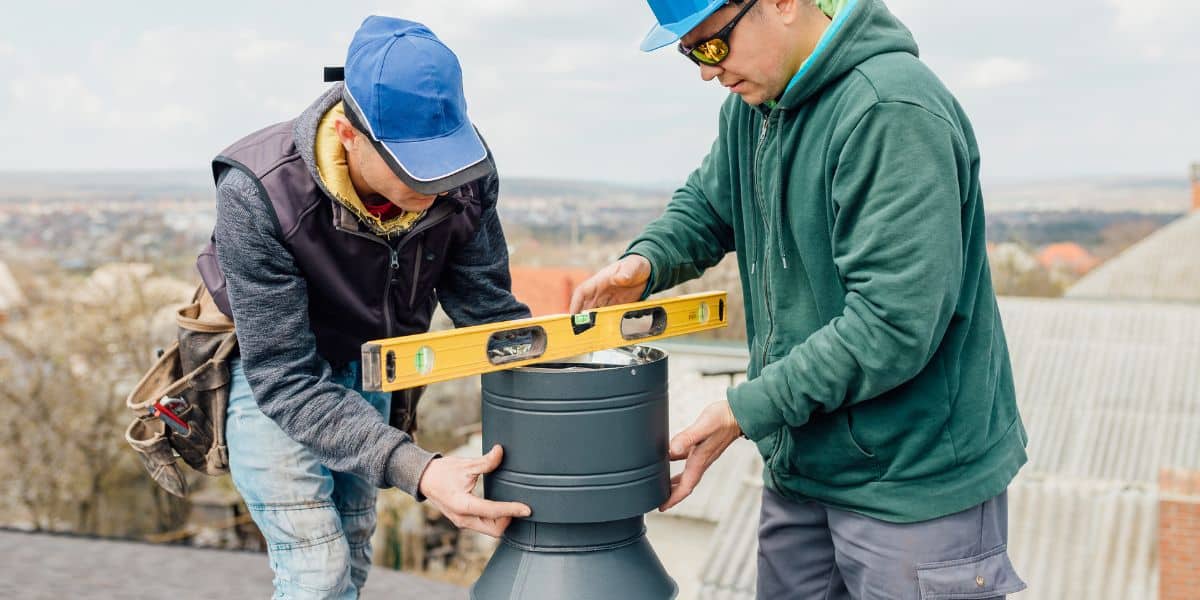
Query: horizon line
[1182, 176]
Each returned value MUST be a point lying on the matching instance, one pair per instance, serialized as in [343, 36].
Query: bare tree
[66, 368]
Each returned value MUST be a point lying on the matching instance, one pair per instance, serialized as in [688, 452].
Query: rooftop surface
[1162, 267]
[37, 566]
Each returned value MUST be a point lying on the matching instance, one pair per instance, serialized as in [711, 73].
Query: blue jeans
[317, 523]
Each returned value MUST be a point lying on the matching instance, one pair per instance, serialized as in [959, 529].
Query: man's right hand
[448, 482]
[619, 283]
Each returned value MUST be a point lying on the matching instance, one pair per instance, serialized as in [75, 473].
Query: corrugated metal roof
[690, 392]
[1110, 393]
[1071, 538]
[731, 567]
[1161, 267]
[1107, 390]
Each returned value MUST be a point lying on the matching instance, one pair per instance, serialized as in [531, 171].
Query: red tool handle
[161, 411]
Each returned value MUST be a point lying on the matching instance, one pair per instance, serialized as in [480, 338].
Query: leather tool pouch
[404, 409]
[191, 378]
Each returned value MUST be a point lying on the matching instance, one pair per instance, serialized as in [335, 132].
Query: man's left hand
[700, 444]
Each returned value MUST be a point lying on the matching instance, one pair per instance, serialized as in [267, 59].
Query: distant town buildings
[1012, 257]
[78, 235]
[1067, 256]
[1017, 271]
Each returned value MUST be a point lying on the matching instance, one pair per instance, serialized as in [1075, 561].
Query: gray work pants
[810, 551]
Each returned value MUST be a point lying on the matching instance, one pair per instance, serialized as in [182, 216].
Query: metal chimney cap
[602, 359]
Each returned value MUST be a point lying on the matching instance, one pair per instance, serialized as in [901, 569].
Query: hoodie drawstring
[779, 194]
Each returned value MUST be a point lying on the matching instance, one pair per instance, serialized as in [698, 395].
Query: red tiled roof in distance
[1069, 255]
[547, 290]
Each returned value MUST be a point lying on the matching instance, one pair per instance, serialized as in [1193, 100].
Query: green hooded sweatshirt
[879, 378]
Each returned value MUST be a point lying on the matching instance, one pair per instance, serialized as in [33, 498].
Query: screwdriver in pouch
[161, 410]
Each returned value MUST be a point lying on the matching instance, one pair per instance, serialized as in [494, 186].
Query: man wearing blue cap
[347, 224]
[879, 390]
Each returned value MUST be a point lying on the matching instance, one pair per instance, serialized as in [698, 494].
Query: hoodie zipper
[761, 210]
[394, 255]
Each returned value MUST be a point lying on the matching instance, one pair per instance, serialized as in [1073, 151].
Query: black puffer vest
[360, 285]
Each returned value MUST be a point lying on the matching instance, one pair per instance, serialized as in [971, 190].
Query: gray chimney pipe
[585, 446]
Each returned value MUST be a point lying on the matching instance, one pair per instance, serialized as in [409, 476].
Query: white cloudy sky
[1056, 88]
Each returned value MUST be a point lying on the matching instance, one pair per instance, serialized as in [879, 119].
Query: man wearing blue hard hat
[346, 224]
[879, 392]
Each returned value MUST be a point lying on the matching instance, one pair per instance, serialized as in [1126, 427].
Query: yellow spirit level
[415, 360]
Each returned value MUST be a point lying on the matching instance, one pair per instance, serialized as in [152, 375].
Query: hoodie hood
[305, 131]
[861, 30]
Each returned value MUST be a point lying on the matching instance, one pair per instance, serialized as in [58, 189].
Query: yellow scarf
[335, 174]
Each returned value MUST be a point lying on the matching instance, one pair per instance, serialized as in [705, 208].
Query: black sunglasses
[716, 48]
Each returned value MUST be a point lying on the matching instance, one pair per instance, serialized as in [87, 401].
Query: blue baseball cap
[404, 91]
[676, 18]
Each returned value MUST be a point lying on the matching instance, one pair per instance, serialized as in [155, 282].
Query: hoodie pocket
[825, 450]
[854, 440]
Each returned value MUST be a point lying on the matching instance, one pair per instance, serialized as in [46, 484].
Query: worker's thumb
[491, 461]
[631, 271]
[681, 445]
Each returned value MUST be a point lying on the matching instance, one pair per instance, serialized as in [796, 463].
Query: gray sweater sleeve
[290, 381]
[476, 286]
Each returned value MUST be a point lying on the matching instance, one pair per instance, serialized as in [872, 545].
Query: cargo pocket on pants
[987, 575]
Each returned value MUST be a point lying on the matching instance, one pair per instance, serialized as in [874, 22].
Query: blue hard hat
[676, 18]
[404, 90]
